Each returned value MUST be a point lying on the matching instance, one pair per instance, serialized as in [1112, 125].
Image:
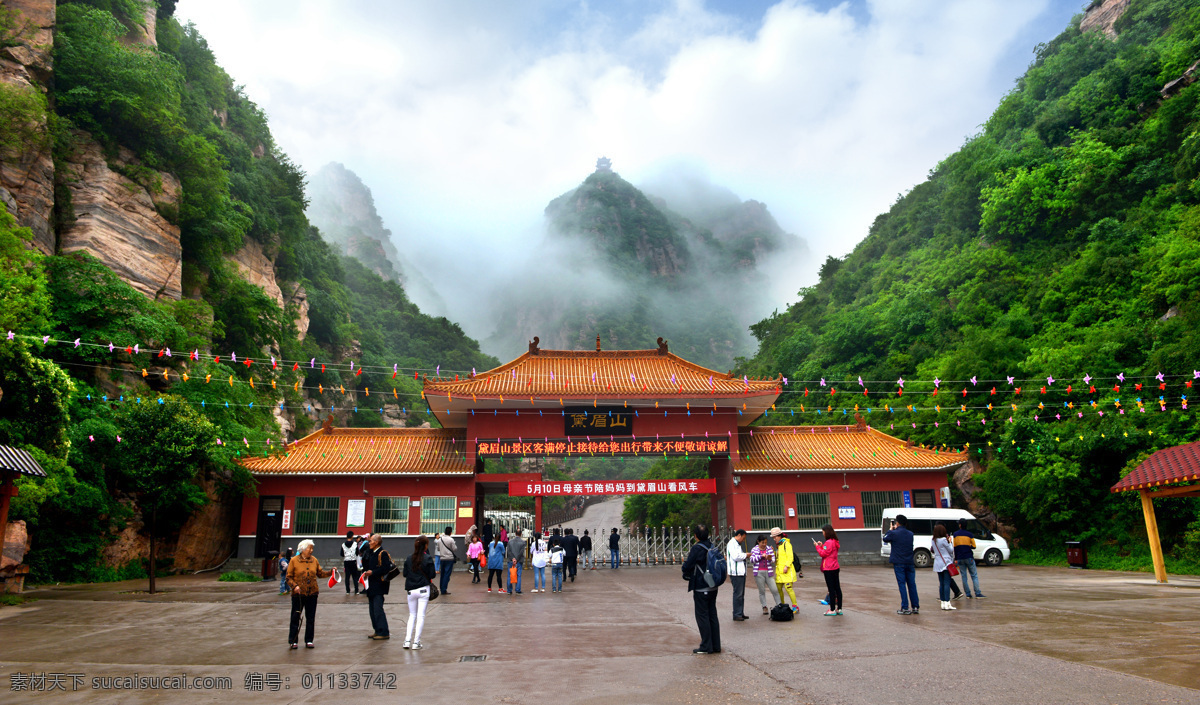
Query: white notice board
[356, 512]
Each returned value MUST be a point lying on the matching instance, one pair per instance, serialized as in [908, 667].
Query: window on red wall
[317, 515]
[390, 516]
[873, 504]
[766, 511]
[436, 514]
[812, 509]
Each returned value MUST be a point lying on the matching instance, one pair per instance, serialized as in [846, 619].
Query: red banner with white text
[561, 489]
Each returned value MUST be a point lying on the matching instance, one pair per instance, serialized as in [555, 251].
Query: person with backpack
[350, 561]
[704, 570]
[785, 569]
[541, 558]
[447, 549]
[828, 550]
[495, 561]
[557, 561]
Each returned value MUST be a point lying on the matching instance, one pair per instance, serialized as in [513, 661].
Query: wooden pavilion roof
[602, 374]
[370, 451]
[838, 448]
[1169, 466]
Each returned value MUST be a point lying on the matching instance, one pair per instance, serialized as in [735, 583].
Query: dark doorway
[270, 527]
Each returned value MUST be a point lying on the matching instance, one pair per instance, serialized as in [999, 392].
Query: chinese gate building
[570, 403]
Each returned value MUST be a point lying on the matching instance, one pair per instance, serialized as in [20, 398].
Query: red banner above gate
[559, 489]
[516, 447]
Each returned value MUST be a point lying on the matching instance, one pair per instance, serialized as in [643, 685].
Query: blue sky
[466, 118]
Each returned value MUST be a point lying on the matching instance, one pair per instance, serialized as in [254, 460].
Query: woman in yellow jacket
[785, 572]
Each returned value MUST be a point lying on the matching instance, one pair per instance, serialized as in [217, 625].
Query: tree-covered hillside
[94, 416]
[1063, 240]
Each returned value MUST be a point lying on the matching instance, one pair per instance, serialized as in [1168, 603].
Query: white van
[990, 549]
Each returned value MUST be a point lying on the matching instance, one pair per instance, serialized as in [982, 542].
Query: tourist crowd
[772, 560]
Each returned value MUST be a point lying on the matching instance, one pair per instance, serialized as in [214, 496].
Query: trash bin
[270, 565]
[1076, 554]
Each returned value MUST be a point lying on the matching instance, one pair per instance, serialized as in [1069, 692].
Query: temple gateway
[404, 482]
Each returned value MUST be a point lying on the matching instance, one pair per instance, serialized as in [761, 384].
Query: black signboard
[598, 421]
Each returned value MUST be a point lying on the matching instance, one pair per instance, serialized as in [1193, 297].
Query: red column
[537, 513]
[9, 490]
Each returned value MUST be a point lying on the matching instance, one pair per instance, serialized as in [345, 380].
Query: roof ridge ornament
[533, 345]
[327, 425]
[598, 342]
[662, 346]
[860, 422]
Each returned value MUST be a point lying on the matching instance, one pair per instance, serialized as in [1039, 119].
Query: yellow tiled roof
[815, 448]
[587, 373]
[370, 451]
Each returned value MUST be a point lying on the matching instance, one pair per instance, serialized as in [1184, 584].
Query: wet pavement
[1043, 635]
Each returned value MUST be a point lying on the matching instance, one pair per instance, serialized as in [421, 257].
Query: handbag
[391, 574]
[512, 573]
[433, 592]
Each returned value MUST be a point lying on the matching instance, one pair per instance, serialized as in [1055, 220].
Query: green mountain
[622, 265]
[146, 203]
[1063, 240]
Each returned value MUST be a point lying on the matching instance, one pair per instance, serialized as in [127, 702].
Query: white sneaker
[950, 606]
[407, 644]
[417, 646]
[942, 604]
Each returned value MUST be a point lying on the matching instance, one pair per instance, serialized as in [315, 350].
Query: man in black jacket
[570, 544]
[614, 548]
[585, 548]
[704, 597]
[376, 564]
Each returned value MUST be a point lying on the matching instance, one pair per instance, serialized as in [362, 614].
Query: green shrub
[239, 576]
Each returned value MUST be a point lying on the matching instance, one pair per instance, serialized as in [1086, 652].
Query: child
[557, 554]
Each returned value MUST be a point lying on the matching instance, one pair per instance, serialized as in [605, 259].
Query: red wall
[351, 487]
[738, 499]
[648, 424]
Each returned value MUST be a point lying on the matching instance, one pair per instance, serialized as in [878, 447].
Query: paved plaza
[1043, 635]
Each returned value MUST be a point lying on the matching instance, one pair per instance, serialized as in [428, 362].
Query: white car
[990, 549]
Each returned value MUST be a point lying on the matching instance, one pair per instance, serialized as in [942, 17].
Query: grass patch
[1107, 558]
[14, 600]
[239, 576]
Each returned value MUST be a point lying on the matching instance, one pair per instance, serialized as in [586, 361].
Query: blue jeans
[906, 580]
[510, 583]
[967, 565]
[539, 578]
[556, 577]
[283, 580]
[437, 564]
[615, 555]
[446, 569]
[944, 585]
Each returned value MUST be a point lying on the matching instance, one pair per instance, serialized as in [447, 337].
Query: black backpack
[782, 613]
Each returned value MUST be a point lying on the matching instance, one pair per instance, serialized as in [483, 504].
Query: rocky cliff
[1101, 15]
[118, 220]
[27, 175]
[342, 207]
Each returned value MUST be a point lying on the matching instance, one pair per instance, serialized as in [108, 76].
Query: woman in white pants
[418, 572]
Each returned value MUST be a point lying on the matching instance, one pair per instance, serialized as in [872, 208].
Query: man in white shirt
[350, 561]
[735, 557]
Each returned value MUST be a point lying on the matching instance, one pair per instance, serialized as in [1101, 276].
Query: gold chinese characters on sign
[598, 422]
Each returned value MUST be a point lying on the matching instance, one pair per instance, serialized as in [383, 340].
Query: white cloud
[466, 119]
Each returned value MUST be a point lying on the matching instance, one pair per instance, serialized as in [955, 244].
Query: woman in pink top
[830, 568]
[473, 552]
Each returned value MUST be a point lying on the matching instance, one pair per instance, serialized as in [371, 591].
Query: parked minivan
[990, 549]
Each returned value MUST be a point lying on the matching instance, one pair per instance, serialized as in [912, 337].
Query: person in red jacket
[828, 549]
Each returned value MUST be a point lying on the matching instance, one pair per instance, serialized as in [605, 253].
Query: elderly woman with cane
[303, 571]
